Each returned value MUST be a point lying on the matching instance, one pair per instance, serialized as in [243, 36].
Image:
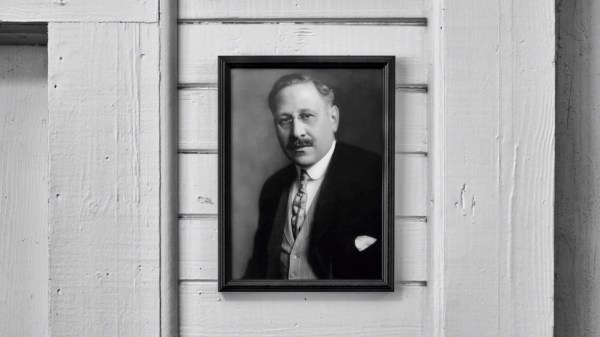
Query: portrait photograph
[306, 155]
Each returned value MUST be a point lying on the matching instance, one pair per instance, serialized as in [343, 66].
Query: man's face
[305, 123]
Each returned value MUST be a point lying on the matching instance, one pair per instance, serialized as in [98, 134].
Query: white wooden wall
[577, 291]
[316, 29]
[492, 160]
[23, 191]
[474, 243]
[103, 179]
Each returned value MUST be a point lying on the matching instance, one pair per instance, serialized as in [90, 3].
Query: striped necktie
[299, 204]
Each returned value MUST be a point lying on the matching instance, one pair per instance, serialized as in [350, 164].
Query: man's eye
[305, 117]
[284, 120]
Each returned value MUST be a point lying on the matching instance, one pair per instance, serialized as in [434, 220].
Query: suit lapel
[324, 214]
[277, 231]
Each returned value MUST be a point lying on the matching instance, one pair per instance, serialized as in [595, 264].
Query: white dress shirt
[316, 173]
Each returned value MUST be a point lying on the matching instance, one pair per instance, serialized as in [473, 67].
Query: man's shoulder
[280, 179]
[358, 156]
[356, 163]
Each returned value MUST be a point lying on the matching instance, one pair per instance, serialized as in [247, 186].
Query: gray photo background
[255, 151]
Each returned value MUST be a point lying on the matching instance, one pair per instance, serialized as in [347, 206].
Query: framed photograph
[306, 173]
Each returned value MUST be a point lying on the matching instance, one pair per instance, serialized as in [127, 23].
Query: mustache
[298, 143]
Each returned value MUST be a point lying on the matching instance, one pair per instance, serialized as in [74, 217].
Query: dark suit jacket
[348, 206]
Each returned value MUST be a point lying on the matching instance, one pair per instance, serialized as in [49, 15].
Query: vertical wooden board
[79, 10]
[198, 188]
[23, 191]
[104, 179]
[527, 112]
[198, 250]
[577, 281]
[198, 112]
[205, 312]
[495, 156]
[473, 245]
[270, 9]
[201, 44]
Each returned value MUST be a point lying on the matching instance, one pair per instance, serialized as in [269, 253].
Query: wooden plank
[198, 114]
[269, 9]
[527, 114]
[198, 189]
[79, 10]
[23, 191]
[198, 250]
[577, 287]
[169, 196]
[201, 44]
[206, 312]
[104, 179]
[198, 184]
[410, 197]
[493, 162]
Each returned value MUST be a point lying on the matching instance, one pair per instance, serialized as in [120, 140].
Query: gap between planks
[416, 87]
[402, 283]
[193, 216]
[420, 21]
[216, 151]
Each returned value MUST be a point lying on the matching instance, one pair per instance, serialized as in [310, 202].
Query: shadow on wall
[577, 205]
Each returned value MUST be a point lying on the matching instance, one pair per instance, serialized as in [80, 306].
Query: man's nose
[298, 128]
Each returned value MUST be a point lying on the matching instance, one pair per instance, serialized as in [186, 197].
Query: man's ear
[334, 115]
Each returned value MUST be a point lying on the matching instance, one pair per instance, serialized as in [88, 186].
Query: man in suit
[320, 217]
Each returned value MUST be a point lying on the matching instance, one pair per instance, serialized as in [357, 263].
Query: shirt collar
[318, 169]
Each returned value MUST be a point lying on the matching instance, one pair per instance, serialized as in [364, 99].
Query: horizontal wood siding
[198, 249]
[79, 11]
[300, 9]
[201, 44]
[198, 114]
[206, 312]
[198, 190]
[208, 29]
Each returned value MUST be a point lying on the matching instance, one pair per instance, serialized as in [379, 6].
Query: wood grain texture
[198, 188]
[577, 240]
[205, 312]
[79, 10]
[23, 191]
[198, 115]
[201, 44]
[526, 139]
[273, 9]
[104, 179]
[493, 145]
[198, 250]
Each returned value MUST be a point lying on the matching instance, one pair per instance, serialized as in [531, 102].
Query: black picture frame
[236, 75]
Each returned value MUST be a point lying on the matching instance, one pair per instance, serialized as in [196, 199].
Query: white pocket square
[363, 242]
